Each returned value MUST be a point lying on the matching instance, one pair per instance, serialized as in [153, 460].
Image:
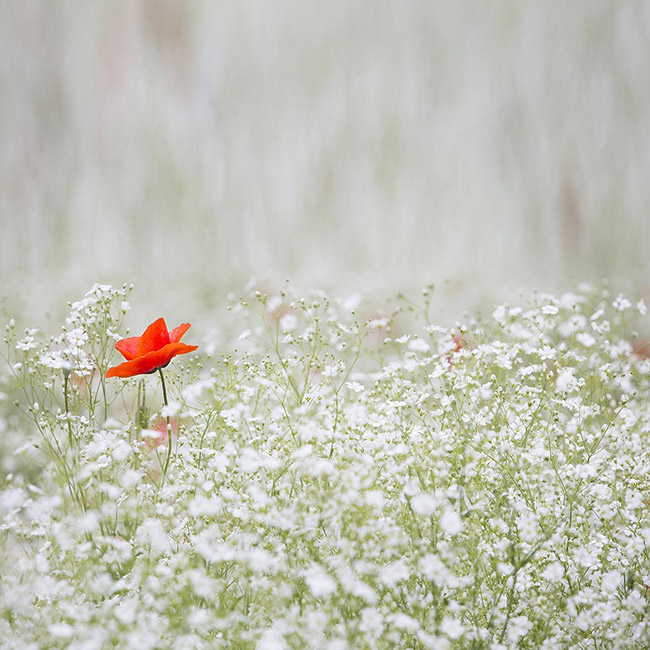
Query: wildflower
[319, 582]
[158, 435]
[424, 504]
[288, 322]
[393, 573]
[585, 339]
[459, 342]
[418, 345]
[621, 303]
[151, 351]
[451, 523]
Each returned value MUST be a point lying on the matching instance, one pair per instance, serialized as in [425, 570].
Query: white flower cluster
[482, 487]
[81, 350]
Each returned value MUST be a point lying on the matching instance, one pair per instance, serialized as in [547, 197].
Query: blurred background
[185, 147]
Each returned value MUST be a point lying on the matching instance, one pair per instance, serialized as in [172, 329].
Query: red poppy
[151, 351]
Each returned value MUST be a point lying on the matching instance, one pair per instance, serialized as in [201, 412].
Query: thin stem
[140, 412]
[169, 429]
[67, 409]
[162, 381]
[103, 380]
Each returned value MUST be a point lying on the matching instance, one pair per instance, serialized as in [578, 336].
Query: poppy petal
[155, 337]
[128, 347]
[151, 361]
[160, 358]
[129, 369]
[177, 333]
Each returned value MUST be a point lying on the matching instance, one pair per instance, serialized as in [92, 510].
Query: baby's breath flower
[288, 322]
[621, 303]
[319, 582]
[418, 345]
[170, 410]
[585, 339]
[484, 485]
[27, 343]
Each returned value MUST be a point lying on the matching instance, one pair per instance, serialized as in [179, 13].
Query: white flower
[452, 627]
[528, 527]
[244, 335]
[126, 610]
[641, 307]
[170, 410]
[272, 639]
[621, 303]
[418, 345]
[519, 627]
[574, 324]
[354, 386]
[585, 558]
[424, 504]
[61, 630]
[375, 499]
[353, 585]
[451, 523]
[404, 622]
[151, 434]
[611, 581]
[250, 460]
[203, 506]
[547, 352]
[372, 622]
[393, 573]
[553, 572]
[499, 314]
[585, 339]
[377, 323]
[28, 343]
[321, 467]
[333, 369]
[566, 381]
[351, 302]
[192, 392]
[434, 569]
[152, 532]
[99, 290]
[288, 322]
[320, 583]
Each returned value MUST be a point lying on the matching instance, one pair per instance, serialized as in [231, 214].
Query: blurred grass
[355, 144]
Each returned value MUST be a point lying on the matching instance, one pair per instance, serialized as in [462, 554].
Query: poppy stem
[169, 428]
[162, 381]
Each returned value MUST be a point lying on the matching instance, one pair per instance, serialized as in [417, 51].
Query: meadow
[348, 468]
[329, 474]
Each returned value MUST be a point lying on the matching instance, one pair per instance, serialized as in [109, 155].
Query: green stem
[67, 409]
[169, 429]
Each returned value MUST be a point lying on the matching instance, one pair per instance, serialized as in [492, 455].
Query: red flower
[151, 351]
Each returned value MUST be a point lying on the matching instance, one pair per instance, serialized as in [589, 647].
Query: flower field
[327, 475]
